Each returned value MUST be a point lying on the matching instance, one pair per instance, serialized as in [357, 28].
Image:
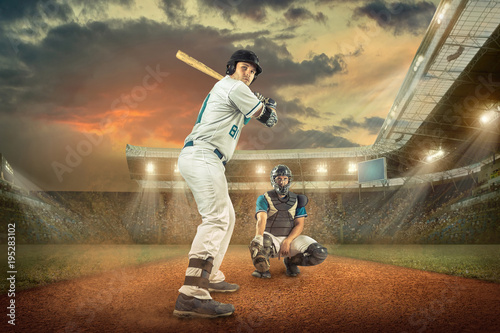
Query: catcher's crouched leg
[261, 253]
[314, 255]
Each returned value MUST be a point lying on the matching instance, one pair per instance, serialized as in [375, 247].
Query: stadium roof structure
[453, 81]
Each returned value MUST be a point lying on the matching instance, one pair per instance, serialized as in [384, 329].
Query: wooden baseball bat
[198, 65]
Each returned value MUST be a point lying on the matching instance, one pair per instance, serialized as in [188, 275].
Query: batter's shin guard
[206, 268]
[315, 254]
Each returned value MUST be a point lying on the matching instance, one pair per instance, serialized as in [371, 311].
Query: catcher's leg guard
[314, 255]
[317, 254]
[261, 254]
[268, 245]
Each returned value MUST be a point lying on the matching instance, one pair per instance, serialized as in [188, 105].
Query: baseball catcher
[280, 218]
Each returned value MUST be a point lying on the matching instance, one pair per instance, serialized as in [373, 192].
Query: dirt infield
[340, 295]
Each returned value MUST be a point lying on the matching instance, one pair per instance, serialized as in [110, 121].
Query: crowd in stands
[68, 217]
[428, 213]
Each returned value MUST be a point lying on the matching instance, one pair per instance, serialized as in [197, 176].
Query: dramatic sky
[79, 80]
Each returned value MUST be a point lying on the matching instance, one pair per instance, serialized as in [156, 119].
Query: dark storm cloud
[72, 55]
[280, 70]
[13, 10]
[336, 130]
[256, 10]
[400, 17]
[58, 87]
[336, 1]
[284, 36]
[22, 20]
[36, 13]
[296, 108]
[11, 78]
[29, 19]
[318, 139]
[175, 11]
[97, 9]
[371, 124]
[74, 74]
[289, 133]
[298, 14]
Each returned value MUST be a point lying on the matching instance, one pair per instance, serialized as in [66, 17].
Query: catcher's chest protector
[281, 215]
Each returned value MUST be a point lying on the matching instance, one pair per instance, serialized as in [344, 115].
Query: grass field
[44, 264]
[471, 261]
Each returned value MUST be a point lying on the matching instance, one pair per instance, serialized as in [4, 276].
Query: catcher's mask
[281, 170]
[243, 56]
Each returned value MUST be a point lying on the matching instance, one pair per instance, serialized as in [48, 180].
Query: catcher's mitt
[260, 257]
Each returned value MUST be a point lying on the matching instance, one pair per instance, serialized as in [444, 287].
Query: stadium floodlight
[484, 119]
[9, 168]
[443, 12]
[489, 116]
[420, 59]
[352, 168]
[176, 168]
[322, 168]
[150, 168]
[260, 170]
[434, 155]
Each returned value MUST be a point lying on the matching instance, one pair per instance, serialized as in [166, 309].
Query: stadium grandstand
[438, 180]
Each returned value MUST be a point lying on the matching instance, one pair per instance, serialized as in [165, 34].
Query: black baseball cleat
[265, 275]
[190, 307]
[291, 269]
[223, 287]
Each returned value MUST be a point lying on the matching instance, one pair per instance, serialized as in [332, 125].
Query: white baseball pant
[203, 172]
[298, 245]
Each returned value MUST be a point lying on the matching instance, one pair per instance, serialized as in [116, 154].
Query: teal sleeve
[262, 204]
[300, 212]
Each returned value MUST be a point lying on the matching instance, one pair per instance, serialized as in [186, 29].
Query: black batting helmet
[281, 170]
[245, 56]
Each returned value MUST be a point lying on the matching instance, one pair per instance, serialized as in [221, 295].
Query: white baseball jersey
[227, 108]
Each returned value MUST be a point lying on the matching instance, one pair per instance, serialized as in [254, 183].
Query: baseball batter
[280, 218]
[227, 108]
